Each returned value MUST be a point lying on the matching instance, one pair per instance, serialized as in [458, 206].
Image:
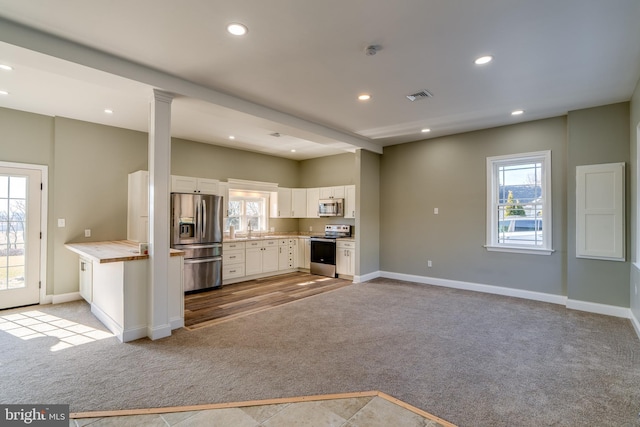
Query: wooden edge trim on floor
[124, 412]
[153, 411]
[415, 410]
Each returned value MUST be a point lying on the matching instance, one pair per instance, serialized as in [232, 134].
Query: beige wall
[91, 166]
[210, 161]
[449, 173]
[328, 171]
[596, 135]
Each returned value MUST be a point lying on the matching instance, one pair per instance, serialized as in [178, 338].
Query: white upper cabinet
[313, 195]
[350, 201]
[189, 184]
[281, 203]
[289, 203]
[336, 192]
[298, 202]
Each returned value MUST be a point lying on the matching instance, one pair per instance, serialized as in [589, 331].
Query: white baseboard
[176, 323]
[635, 323]
[133, 334]
[158, 332]
[593, 307]
[107, 321]
[365, 277]
[62, 298]
[478, 287]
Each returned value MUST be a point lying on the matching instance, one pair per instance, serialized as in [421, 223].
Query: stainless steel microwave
[331, 207]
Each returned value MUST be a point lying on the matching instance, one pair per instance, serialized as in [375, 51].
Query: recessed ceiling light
[293, 151]
[364, 97]
[6, 67]
[108, 111]
[232, 137]
[483, 60]
[425, 130]
[517, 112]
[237, 29]
[4, 92]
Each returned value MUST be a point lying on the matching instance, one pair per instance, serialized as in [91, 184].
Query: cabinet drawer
[254, 244]
[271, 242]
[346, 245]
[285, 242]
[231, 271]
[232, 245]
[233, 257]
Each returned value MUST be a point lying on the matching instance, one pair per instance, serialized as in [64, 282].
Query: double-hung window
[247, 211]
[519, 203]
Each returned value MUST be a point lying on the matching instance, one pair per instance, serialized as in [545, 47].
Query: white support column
[158, 324]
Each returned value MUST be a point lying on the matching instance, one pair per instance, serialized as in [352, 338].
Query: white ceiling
[301, 66]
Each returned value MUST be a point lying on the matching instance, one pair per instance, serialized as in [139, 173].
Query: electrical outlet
[87, 233]
[435, 211]
[429, 263]
[61, 222]
[310, 228]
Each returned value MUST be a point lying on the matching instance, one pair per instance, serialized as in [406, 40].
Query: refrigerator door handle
[204, 218]
[202, 260]
[198, 246]
[198, 223]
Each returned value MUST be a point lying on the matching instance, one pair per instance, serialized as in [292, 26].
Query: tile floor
[369, 411]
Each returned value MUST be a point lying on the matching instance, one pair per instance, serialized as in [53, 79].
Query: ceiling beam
[48, 44]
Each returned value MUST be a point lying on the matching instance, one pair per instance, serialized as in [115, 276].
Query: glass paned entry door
[19, 236]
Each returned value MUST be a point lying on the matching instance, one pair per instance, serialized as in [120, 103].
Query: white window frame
[245, 196]
[493, 183]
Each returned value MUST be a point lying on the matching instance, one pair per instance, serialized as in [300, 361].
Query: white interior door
[20, 210]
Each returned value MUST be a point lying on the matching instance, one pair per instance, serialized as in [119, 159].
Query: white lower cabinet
[233, 263]
[261, 256]
[286, 255]
[346, 257]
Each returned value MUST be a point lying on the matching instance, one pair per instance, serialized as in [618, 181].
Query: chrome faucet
[248, 231]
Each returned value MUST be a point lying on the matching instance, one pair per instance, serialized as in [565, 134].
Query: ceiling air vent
[275, 134]
[423, 94]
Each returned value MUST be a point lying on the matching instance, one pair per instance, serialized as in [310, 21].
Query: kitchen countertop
[272, 237]
[112, 251]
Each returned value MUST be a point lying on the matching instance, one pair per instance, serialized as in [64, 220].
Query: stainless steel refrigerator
[196, 229]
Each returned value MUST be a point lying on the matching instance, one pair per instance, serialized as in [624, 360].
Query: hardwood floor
[240, 299]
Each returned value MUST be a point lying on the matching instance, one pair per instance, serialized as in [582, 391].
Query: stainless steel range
[323, 249]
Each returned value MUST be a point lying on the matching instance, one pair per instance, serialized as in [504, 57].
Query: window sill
[520, 250]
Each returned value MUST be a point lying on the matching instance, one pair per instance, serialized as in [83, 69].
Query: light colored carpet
[470, 358]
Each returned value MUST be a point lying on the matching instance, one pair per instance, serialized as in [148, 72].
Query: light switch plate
[61, 222]
[87, 233]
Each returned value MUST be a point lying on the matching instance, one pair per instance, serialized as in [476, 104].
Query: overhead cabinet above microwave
[305, 202]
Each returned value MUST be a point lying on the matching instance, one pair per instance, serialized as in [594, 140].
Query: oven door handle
[319, 239]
